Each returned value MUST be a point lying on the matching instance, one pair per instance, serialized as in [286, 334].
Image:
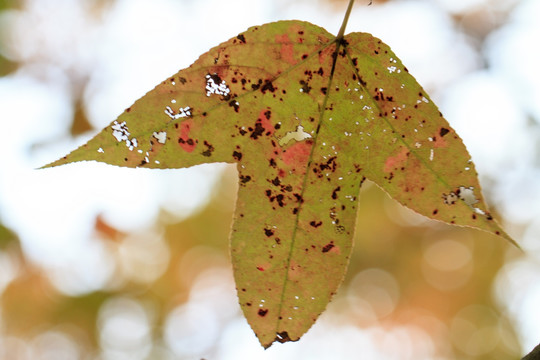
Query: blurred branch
[533, 355]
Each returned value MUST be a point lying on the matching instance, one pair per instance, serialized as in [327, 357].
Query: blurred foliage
[384, 243]
[6, 237]
[6, 66]
[80, 123]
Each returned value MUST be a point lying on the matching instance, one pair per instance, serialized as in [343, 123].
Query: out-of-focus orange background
[98, 262]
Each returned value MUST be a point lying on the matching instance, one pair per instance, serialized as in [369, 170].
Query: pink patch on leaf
[287, 49]
[185, 142]
[264, 119]
[439, 142]
[396, 161]
[297, 155]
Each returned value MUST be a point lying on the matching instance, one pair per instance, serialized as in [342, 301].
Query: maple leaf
[307, 116]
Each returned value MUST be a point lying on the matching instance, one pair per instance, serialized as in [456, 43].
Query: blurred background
[98, 262]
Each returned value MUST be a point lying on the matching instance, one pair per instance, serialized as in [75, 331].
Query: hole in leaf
[298, 135]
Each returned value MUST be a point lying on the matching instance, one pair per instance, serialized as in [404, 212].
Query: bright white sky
[138, 43]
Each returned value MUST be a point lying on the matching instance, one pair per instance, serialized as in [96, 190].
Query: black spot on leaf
[326, 248]
[258, 131]
[279, 199]
[242, 38]
[262, 312]
[257, 85]
[245, 179]
[329, 165]
[305, 87]
[209, 149]
[315, 224]
[334, 193]
[443, 132]
[215, 78]
[237, 155]
[362, 81]
[234, 104]
[267, 86]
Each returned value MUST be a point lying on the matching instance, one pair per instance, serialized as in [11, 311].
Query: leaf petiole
[345, 20]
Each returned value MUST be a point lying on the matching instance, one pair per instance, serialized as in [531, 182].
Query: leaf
[307, 118]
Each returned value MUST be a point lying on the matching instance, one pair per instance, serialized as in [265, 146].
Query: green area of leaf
[307, 117]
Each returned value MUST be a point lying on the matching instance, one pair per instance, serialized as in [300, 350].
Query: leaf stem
[345, 20]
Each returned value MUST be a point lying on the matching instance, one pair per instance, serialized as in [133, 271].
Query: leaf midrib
[304, 181]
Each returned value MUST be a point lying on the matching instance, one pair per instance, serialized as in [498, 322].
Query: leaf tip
[61, 161]
[281, 337]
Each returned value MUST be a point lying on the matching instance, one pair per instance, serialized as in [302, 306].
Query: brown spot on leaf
[262, 312]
